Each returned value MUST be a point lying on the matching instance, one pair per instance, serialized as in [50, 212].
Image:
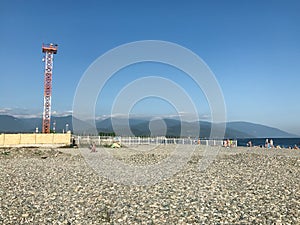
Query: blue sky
[253, 48]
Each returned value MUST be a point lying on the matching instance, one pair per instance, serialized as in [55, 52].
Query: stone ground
[241, 186]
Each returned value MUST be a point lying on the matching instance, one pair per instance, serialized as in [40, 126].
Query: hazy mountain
[172, 127]
[142, 127]
[258, 130]
[10, 124]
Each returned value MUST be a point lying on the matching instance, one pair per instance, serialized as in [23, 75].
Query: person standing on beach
[249, 144]
[267, 143]
[93, 147]
[271, 143]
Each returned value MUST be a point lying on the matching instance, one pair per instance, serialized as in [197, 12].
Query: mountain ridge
[145, 127]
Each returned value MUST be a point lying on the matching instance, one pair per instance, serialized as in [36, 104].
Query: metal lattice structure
[49, 50]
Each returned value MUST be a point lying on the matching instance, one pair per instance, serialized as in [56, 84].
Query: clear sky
[253, 48]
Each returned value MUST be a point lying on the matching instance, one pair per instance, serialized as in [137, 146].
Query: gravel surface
[242, 186]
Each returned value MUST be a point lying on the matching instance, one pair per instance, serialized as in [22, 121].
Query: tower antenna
[49, 50]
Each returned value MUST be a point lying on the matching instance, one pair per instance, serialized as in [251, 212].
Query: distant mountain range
[144, 127]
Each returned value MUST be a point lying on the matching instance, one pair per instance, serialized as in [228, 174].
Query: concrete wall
[8, 140]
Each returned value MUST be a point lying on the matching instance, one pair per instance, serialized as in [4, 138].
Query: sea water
[282, 142]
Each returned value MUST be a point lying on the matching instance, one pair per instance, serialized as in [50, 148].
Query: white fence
[103, 140]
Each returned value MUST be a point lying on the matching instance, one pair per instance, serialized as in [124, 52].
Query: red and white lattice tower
[49, 50]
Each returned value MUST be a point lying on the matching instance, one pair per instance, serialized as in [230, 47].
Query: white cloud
[20, 112]
[5, 110]
[185, 116]
[64, 113]
[30, 113]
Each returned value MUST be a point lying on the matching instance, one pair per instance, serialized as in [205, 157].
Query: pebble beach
[241, 186]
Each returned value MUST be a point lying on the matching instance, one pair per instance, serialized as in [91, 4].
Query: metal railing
[104, 140]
